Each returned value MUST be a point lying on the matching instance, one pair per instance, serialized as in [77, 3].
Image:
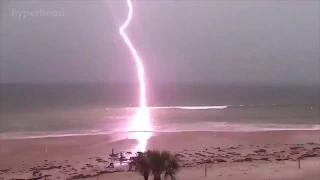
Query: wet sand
[228, 155]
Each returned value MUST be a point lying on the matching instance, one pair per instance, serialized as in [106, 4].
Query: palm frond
[157, 163]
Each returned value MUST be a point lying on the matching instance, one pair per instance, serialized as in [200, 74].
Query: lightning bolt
[141, 121]
[136, 57]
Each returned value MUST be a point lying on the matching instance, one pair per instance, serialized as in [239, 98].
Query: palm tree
[141, 163]
[172, 169]
[157, 163]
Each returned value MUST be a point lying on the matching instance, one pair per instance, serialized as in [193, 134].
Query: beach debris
[232, 148]
[311, 143]
[188, 165]
[309, 155]
[209, 152]
[46, 168]
[282, 159]
[244, 160]
[82, 176]
[40, 177]
[113, 155]
[296, 148]
[100, 160]
[4, 170]
[35, 172]
[219, 160]
[264, 159]
[111, 165]
[294, 152]
[122, 157]
[199, 154]
[316, 148]
[234, 153]
[187, 158]
[260, 151]
[89, 165]
[208, 161]
[179, 155]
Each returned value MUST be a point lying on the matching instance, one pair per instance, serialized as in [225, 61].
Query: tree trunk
[146, 176]
[157, 177]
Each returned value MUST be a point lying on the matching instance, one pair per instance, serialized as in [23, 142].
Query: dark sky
[180, 41]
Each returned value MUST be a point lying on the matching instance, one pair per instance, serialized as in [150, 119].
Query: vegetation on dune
[157, 163]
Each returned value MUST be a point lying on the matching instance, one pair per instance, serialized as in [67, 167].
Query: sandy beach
[228, 155]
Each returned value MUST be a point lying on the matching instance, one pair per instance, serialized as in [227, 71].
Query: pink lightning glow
[135, 56]
[141, 121]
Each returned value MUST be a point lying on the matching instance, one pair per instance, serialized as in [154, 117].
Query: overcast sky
[180, 41]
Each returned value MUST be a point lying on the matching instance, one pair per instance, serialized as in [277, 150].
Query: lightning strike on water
[141, 121]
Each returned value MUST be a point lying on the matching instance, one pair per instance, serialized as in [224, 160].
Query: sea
[73, 109]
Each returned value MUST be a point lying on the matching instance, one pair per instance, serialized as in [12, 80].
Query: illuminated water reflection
[140, 128]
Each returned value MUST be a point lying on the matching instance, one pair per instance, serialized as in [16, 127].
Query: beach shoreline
[74, 155]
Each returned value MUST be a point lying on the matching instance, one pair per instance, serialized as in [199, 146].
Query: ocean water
[30, 110]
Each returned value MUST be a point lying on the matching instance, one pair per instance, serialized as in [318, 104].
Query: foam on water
[118, 124]
[184, 107]
[34, 135]
[233, 127]
[205, 127]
